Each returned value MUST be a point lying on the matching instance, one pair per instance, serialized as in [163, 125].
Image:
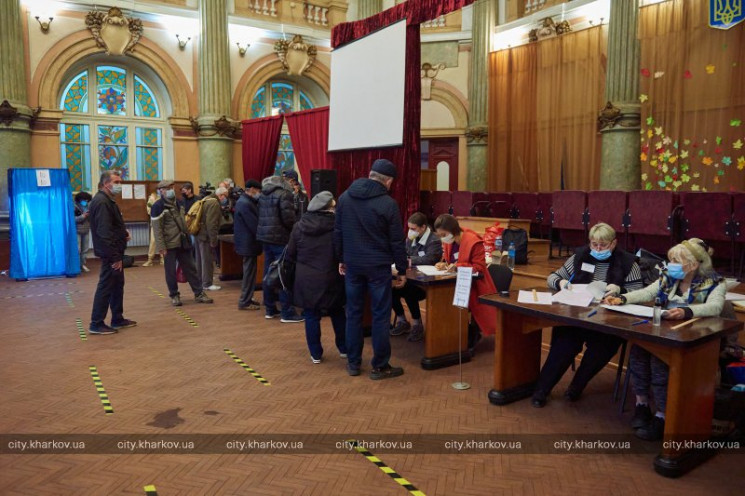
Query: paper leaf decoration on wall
[643, 98]
[710, 69]
[737, 144]
[658, 74]
[687, 74]
[735, 122]
[645, 72]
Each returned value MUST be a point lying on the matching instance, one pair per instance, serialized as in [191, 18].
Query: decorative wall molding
[114, 32]
[220, 127]
[477, 134]
[429, 73]
[296, 56]
[8, 113]
[549, 29]
[627, 116]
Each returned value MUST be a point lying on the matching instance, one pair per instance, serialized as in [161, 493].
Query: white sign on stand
[463, 287]
[42, 178]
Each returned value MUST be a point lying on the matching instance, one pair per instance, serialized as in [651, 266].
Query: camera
[206, 190]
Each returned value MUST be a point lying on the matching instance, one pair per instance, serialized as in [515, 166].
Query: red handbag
[180, 277]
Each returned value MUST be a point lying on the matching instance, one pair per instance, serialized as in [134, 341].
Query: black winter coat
[245, 222]
[318, 284]
[276, 212]
[368, 230]
[107, 228]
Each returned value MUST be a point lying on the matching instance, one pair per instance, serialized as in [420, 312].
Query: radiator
[140, 233]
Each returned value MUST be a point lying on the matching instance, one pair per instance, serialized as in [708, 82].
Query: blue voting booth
[43, 239]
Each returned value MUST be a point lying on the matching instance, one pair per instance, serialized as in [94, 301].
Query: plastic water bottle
[511, 256]
[657, 312]
[498, 245]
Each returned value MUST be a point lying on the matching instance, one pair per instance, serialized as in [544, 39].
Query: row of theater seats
[654, 220]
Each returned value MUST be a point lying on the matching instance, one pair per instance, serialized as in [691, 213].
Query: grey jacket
[425, 250]
[168, 223]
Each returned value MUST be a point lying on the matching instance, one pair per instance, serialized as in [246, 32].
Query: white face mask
[116, 189]
[413, 234]
[448, 240]
[170, 194]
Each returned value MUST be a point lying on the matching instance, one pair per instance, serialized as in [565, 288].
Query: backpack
[520, 238]
[194, 217]
[280, 275]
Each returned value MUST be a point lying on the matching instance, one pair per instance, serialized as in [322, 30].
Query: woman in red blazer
[462, 247]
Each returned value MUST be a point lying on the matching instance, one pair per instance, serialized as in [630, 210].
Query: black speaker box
[322, 180]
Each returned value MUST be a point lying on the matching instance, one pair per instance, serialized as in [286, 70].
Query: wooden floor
[166, 376]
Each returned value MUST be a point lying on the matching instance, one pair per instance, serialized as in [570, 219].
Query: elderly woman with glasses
[688, 287]
[600, 261]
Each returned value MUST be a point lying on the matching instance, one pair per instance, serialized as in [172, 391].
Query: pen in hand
[569, 282]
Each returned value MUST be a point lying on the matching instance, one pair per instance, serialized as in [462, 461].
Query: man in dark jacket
[276, 218]
[173, 243]
[368, 237]
[424, 248]
[299, 197]
[109, 242]
[245, 222]
[318, 288]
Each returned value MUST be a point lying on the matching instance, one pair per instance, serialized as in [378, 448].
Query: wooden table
[445, 323]
[231, 264]
[691, 352]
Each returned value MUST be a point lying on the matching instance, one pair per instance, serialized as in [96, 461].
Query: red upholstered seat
[545, 201]
[738, 225]
[569, 217]
[608, 207]
[708, 216]
[500, 204]
[441, 203]
[652, 220]
[462, 202]
[425, 203]
[525, 206]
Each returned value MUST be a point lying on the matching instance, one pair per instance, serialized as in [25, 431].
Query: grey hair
[106, 177]
[602, 232]
[377, 176]
[693, 251]
[221, 191]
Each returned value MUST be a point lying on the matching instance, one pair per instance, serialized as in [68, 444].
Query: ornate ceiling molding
[114, 32]
[296, 56]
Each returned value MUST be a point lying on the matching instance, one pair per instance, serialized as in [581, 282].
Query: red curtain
[351, 165]
[260, 145]
[309, 132]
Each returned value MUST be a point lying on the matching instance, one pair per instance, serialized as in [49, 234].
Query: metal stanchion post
[460, 385]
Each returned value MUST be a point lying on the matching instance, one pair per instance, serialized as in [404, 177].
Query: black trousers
[566, 342]
[109, 294]
[412, 295]
[248, 285]
[185, 259]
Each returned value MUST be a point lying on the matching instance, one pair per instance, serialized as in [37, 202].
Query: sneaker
[250, 306]
[123, 324]
[539, 399]
[401, 327]
[149, 263]
[417, 333]
[642, 416]
[386, 372]
[353, 370]
[85, 268]
[213, 288]
[292, 319]
[343, 355]
[653, 430]
[102, 329]
[315, 360]
[176, 301]
[203, 298]
[271, 313]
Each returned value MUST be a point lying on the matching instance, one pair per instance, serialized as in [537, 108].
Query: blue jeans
[376, 281]
[272, 253]
[313, 330]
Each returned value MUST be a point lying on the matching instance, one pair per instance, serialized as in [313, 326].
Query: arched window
[112, 120]
[281, 97]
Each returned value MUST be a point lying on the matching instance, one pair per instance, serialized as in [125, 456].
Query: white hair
[221, 191]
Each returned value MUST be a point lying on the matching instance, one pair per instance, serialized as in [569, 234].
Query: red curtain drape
[309, 132]
[260, 145]
[351, 165]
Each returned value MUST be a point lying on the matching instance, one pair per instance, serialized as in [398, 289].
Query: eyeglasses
[600, 245]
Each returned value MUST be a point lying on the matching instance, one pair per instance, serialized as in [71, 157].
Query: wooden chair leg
[621, 361]
[626, 383]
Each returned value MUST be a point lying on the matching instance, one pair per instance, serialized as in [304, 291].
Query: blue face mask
[601, 255]
[675, 270]
[84, 203]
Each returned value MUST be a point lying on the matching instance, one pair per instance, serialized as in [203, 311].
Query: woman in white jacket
[688, 287]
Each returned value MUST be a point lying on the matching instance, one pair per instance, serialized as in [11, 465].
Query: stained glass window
[145, 103]
[112, 90]
[305, 103]
[258, 104]
[282, 97]
[76, 154]
[75, 96]
[285, 155]
[113, 152]
[149, 153]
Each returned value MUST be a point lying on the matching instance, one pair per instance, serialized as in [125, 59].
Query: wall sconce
[242, 49]
[182, 42]
[600, 21]
[44, 24]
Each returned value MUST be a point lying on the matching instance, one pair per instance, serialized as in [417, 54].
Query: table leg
[445, 324]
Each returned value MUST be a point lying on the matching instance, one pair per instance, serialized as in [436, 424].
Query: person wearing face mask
[151, 251]
[688, 287]
[209, 227]
[109, 242]
[464, 248]
[173, 243]
[82, 225]
[245, 223]
[600, 261]
[423, 248]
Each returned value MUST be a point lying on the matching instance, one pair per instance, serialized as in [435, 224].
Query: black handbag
[281, 274]
[185, 242]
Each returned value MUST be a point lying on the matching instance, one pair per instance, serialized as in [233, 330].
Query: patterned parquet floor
[169, 377]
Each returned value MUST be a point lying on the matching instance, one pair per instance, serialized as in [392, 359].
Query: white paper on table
[739, 304]
[631, 309]
[734, 296]
[528, 297]
[140, 192]
[127, 192]
[463, 287]
[430, 270]
[573, 297]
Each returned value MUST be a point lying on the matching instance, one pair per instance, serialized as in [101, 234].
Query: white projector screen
[367, 91]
